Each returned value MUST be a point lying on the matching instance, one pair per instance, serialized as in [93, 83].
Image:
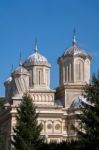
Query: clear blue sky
[52, 22]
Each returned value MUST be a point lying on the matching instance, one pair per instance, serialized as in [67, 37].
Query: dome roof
[36, 59]
[79, 102]
[8, 80]
[20, 70]
[75, 50]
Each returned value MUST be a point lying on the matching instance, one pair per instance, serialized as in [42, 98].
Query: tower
[74, 73]
[17, 84]
[39, 78]
[39, 69]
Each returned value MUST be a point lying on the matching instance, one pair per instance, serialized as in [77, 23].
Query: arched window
[87, 71]
[47, 77]
[30, 77]
[79, 70]
[68, 73]
[39, 76]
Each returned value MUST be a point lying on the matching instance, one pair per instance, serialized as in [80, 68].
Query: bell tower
[74, 72]
[74, 65]
[39, 78]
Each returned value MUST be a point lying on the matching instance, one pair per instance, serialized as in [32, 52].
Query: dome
[79, 102]
[36, 57]
[8, 80]
[20, 70]
[75, 50]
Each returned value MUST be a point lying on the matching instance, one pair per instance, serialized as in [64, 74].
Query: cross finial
[36, 45]
[74, 37]
[11, 68]
[20, 58]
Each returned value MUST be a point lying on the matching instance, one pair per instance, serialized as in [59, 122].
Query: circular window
[57, 127]
[49, 126]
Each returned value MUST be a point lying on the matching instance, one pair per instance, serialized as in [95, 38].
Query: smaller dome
[20, 70]
[79, 102]
[8, 80]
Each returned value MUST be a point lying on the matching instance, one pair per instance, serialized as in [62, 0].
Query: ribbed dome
[79, 102]
[75, 50]
[20, 70]
[8, 80]
[36, 57]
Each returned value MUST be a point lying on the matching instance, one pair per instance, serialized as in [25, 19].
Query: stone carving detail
[42, 97]
[57, 126]
[49, 126]
[20, 85]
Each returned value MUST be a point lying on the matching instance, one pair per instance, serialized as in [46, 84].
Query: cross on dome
[74, 42]
[20, 58]
[36, 45]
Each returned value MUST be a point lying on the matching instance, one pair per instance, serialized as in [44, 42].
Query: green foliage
[89, 135]
[2, 104]
[1, 140]
[73, 145]
[27, 131]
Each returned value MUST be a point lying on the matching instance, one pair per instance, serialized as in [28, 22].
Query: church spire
[36, 45]
[74, 42]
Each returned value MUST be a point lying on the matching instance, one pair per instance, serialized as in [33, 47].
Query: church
[57, 107]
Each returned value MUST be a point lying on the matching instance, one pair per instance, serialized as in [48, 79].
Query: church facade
[57, 107]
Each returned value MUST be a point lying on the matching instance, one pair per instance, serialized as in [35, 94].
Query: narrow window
[39, 77]
[67, 73]
[79, 71]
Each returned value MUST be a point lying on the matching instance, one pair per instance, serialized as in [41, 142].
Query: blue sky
[52, 22]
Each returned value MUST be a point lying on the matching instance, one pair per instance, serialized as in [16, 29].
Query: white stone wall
[74, 69]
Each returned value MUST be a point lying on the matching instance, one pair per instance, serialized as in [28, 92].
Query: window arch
[79, 70]
[68, 73]
[39, 76]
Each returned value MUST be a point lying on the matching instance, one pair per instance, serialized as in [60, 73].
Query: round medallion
[49, 126]
[57, 126]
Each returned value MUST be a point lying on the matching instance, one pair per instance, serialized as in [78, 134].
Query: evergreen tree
[27, 131]
[89, 133]
[1, 141]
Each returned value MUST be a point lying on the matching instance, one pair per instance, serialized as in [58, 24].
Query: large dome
[36, 59]
[75, 50]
